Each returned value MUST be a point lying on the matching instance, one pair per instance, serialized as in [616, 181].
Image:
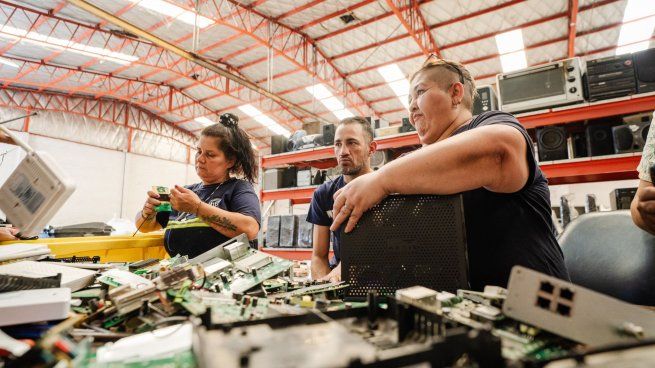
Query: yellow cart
[110, 248]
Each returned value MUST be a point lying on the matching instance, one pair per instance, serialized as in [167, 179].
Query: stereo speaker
[328, 134]
[599, 139]
[645, 70]
[630, 137]
[551, 143]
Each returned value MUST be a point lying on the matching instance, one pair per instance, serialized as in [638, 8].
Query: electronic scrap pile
[244, 308]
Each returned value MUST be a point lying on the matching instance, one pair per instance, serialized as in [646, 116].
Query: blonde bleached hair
[447, 72]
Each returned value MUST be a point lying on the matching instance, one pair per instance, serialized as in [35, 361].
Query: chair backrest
[606, 252]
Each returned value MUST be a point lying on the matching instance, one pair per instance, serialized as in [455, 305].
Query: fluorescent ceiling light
[174, 11]
[509, 41]
[514, 61]
[66, 45]
[204, 121]
[8, 62]
[264, 120]
[391, 73]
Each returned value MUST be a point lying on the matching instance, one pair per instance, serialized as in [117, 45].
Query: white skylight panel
[264, 120]
[510, 41]
[204, 121]
[250, 110]
[7, 31]
[636, 9]
[343, 114]
[513, 61]
[172, 10]
[319, 91]
[400, 88]
[391, 73]
[8, 62]
[635, 36]
[332, 103]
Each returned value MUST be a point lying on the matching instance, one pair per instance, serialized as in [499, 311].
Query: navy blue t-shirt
[508, 229]
[187, 235]
[320, 211]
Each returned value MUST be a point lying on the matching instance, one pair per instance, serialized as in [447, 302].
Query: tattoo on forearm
[223, 222]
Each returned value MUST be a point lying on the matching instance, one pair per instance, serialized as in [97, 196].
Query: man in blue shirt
[353, 147]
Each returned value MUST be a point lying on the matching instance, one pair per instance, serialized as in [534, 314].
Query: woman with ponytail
[222, 206]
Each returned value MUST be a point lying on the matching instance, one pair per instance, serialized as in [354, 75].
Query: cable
[143, 222]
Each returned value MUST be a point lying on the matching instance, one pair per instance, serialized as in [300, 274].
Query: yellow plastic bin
[109, 248]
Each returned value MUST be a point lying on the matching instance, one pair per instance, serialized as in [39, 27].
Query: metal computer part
[219, 250]
[573, 311]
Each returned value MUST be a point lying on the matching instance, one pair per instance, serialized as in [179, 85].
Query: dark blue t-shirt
[508, 229]
[320, 211]
[187, 235]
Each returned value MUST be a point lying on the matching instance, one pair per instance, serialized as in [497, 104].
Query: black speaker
[579, 144]
[645, 70]
[407, 126]
[599, 139]
[328, 134]
[289, 177]
[620, 199]
[630, 137]
[279, 144]
[551, 143]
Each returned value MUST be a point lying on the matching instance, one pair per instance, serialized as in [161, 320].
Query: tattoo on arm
[223, 222]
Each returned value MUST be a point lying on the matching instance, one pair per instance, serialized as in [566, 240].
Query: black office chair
[606, 252]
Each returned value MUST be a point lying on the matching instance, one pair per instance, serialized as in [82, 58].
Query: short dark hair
[458, 73]
[234, 143]
[366, 126]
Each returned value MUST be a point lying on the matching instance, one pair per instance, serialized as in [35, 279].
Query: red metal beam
[573, 18]
[313, 60]
[16, 97]
[477, 38]
[86, 32]
[415, 25]
[298, 9]
[335, 14]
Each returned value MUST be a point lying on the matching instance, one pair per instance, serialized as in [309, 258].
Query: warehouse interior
[118, 105]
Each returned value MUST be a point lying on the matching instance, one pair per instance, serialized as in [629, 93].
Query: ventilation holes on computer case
[406, 241]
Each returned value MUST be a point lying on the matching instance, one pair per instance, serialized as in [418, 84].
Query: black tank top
[508, 229]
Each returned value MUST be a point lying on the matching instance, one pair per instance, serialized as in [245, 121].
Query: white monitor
[34, 191]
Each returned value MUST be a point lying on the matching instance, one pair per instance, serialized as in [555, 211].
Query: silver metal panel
[593, 318]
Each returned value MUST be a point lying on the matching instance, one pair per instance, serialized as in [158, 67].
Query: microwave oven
[554, 84]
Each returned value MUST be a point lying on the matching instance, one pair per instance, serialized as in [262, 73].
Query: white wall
[109, 183]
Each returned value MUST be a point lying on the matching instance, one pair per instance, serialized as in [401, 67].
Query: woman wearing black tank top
[488, 158]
